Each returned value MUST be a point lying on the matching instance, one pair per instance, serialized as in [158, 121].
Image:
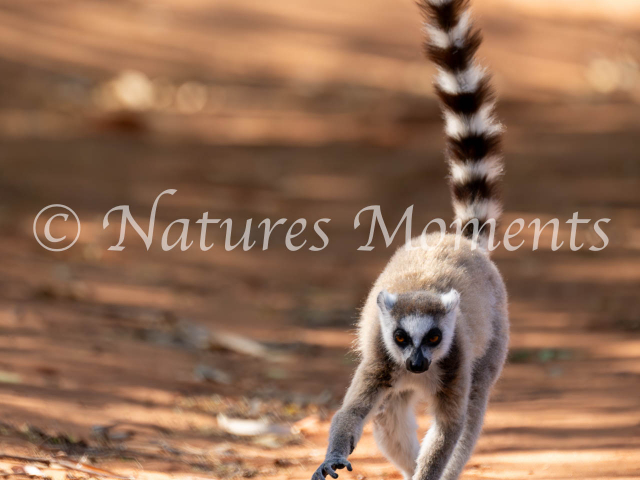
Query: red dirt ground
[313, 110]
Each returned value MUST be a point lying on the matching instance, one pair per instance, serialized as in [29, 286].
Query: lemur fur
[435, 324]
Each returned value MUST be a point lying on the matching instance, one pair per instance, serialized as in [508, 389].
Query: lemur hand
[329, 467]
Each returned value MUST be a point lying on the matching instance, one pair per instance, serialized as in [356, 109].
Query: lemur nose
[417, 363]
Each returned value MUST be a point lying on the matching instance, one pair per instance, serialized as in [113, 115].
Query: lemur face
[418, 327]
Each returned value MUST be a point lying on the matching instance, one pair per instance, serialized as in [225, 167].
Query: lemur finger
[319, 474]
[341, 464]
[330, 471]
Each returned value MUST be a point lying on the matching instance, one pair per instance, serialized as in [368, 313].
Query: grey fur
[395, 431]
[453, 287]
[457, 289]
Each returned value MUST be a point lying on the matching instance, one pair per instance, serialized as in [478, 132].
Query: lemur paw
[329, 467]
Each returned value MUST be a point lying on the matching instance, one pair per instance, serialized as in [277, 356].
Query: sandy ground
[310, 110]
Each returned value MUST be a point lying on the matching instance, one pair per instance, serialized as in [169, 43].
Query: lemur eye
[400, 337]
[434, 336]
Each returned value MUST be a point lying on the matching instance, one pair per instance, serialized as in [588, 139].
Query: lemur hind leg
[395, 431]
[486, 372]
[449, 408]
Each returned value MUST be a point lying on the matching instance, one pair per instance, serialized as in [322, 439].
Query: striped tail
[468, 100]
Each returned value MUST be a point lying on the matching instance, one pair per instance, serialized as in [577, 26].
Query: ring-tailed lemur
[435, 325]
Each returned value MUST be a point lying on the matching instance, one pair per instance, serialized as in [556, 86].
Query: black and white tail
[468, 100]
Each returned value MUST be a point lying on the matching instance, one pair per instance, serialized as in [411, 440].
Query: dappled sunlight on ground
[288, 110]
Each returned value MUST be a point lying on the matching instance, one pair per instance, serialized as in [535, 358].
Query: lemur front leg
[478, 399]
[449, 408]
[486, 372]
[366, 389]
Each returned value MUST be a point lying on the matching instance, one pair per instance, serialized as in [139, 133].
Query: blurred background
[224, 364]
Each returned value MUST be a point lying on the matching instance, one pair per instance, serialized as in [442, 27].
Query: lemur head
[418, 327]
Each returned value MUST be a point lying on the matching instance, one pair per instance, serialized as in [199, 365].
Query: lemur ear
[386, 300]
[451, 300]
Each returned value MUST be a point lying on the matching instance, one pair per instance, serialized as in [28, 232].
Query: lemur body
[460, 292]
[435, 325]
